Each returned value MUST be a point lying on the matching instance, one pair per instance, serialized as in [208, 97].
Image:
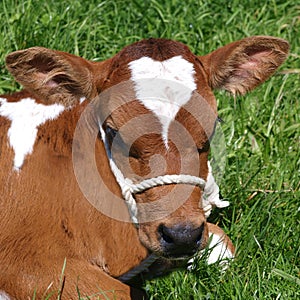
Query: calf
[104, 165]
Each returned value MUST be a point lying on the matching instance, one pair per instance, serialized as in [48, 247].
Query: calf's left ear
[242, 65]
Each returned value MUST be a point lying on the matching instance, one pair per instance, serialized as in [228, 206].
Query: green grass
[261, 129]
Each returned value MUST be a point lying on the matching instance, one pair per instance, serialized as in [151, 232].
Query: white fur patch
[218, 249]
[217, 252]
[4, 296]
[163, 97]
[25, 116]
[82, 99]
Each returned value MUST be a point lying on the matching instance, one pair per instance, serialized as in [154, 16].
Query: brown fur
[45, 218]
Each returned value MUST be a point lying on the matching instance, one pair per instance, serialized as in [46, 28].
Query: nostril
[200, 233]
[165, 233]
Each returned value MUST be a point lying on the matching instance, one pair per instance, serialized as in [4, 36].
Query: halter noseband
[130, 188]
[210, 196]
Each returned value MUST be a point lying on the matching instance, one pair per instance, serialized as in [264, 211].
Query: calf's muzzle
[180, 240]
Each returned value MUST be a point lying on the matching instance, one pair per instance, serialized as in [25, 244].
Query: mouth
[179, 256]
[181, 252]
[179, 259]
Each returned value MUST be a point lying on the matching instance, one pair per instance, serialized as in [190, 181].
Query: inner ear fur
[53, 76]
[242, 65]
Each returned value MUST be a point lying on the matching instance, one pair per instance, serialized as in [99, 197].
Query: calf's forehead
[160, 84]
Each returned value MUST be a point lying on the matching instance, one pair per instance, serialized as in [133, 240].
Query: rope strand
[167, 179]
[129, 188]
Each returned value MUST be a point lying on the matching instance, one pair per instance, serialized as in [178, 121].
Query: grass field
[261, 129]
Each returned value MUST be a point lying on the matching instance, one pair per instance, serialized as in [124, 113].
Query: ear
[240, 66]
[55, 76]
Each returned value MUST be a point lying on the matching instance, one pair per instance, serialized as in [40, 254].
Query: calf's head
[156, 112]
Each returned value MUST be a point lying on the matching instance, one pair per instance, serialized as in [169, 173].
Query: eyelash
[110, 134]
[110, 131]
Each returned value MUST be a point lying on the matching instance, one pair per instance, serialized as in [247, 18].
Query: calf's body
[46, 219]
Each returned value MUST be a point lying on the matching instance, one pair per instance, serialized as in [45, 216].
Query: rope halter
[210, 195]
[130, 188]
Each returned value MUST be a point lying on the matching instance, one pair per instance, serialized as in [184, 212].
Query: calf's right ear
[240, 66]
[55, 76]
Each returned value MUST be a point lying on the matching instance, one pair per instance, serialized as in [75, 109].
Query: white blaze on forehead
[163, 86]
[25, 116]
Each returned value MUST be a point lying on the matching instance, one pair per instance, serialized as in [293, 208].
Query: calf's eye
[110, 134]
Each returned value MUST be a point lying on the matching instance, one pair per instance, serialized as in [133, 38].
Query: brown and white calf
[147, 115]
